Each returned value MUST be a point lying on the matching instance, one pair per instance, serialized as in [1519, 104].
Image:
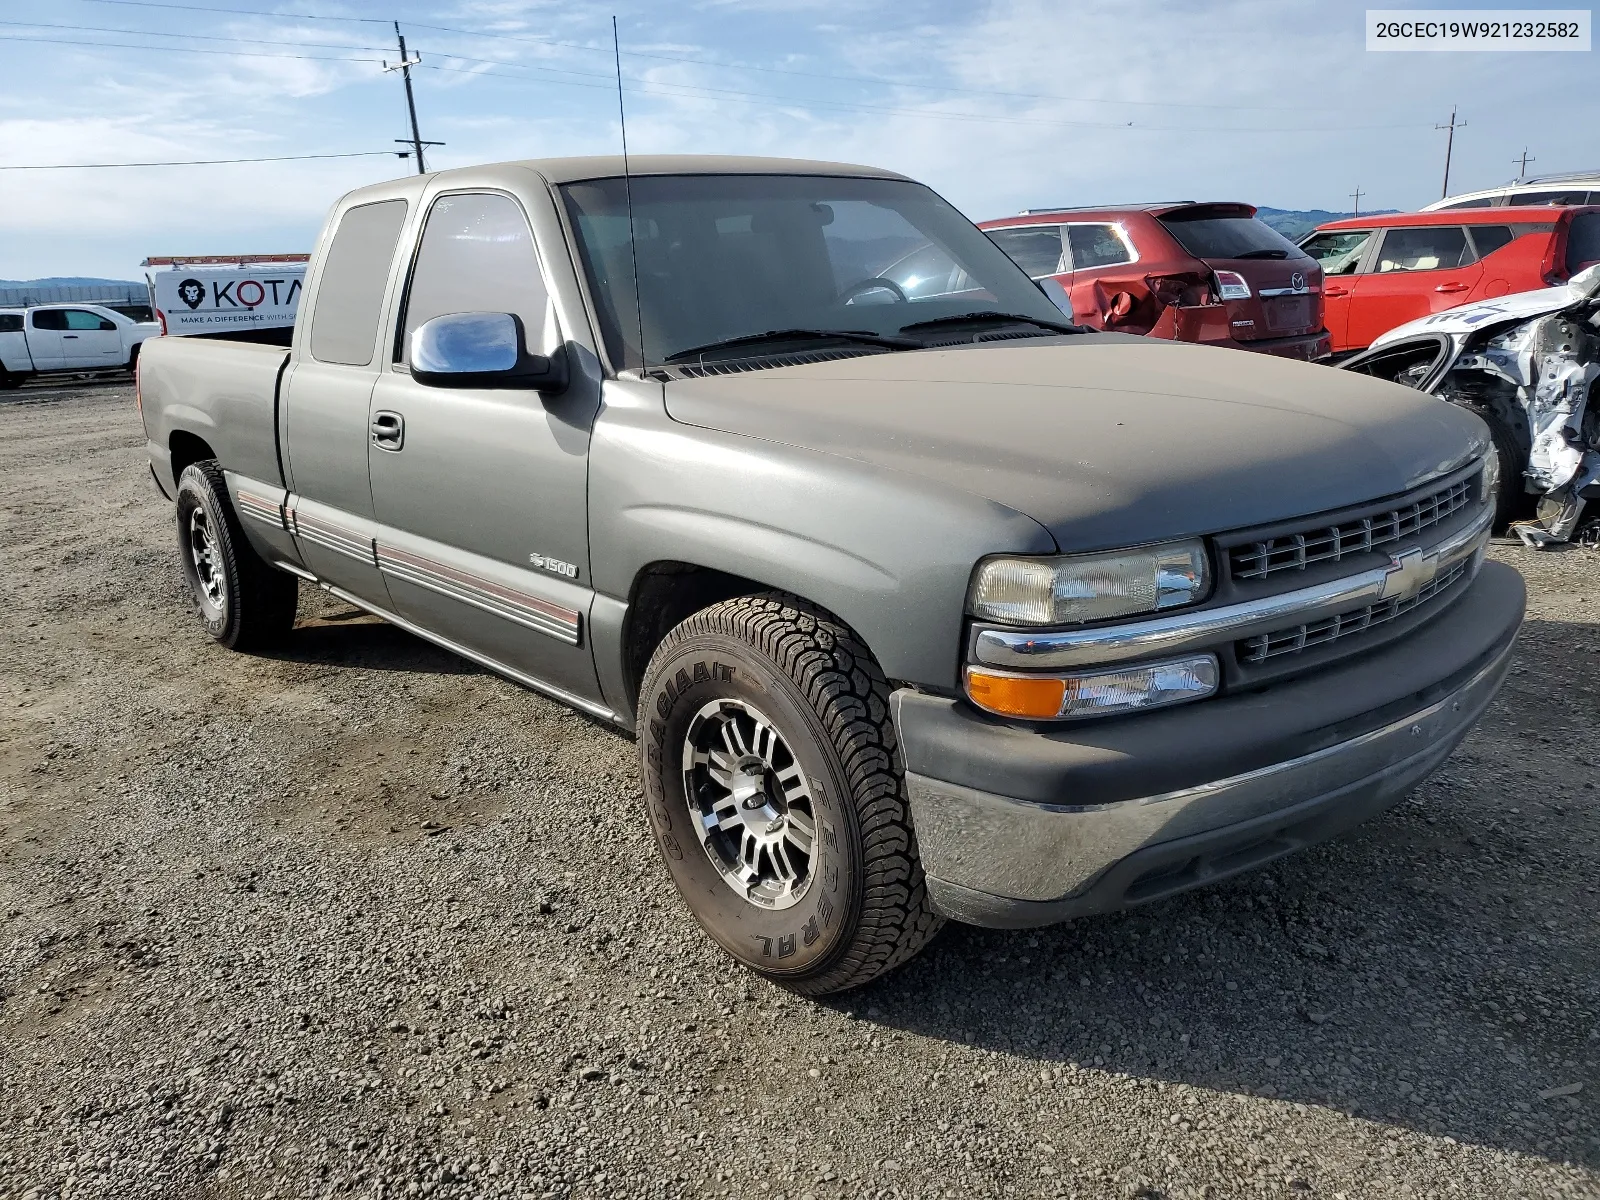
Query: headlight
[1089, 587]
[1491, 476]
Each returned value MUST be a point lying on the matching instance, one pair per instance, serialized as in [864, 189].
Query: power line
[202, 37]
[243, 12]
[196, 162]
[6, 37]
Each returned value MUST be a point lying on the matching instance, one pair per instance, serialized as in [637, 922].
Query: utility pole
[1449, 145]
[404, 67]
[1522, 163]
[1356, 196]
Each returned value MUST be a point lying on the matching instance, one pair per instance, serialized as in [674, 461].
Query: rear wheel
[243, 603]
[9, 380]
[775, 790]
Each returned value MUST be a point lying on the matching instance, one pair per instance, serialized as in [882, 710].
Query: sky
[997, 105]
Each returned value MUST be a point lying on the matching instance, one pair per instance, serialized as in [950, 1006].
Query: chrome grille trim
[1264, 646]
[1331, 543]
[1206, 628]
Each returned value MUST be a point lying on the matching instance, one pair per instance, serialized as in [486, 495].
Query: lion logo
[191, 292]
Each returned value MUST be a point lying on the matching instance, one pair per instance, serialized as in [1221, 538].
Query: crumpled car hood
[1519, 306]
[1106, 440]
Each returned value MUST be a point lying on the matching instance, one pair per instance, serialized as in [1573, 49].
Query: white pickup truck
[67, 337]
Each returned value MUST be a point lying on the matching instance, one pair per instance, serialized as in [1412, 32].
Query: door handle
[388, 430]
[1451, 287]
[69, 337]
[1333, 293]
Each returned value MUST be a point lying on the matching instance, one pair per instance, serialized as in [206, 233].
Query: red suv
[1194, 272]
[1385, 271]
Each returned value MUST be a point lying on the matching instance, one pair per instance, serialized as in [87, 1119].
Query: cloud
[1272, 101]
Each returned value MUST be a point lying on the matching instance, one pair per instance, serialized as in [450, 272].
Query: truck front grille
[1295, 638]
[1296, 550]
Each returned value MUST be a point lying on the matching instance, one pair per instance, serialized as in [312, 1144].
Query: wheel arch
[186, 449]
[665, 593]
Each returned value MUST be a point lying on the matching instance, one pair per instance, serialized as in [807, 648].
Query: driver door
[480, 493]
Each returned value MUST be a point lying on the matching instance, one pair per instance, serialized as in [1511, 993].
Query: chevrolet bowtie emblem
[1409, 572]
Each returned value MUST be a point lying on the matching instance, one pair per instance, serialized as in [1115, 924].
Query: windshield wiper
[1262, 254]
[1004, 318]
[785, 335]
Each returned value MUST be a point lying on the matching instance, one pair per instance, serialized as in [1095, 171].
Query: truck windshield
[723, 257]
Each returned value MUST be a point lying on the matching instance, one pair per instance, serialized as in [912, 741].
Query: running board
[483, 660]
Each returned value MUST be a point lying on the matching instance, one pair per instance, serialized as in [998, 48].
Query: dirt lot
[363, 919]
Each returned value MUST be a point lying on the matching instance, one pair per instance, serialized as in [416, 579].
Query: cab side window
[10, 322]
[355, 274]
[50, 318]
[1424, 248]
[477, 255]
[78, 319]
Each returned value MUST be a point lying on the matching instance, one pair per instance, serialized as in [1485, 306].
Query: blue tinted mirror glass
[466, 344]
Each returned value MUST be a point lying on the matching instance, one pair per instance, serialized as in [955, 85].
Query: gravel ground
[361, 918]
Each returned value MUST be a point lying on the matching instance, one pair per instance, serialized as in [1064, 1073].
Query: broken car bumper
[1021, 825]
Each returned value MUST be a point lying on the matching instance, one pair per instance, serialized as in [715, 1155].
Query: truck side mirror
[481, 350]
[1059, 296]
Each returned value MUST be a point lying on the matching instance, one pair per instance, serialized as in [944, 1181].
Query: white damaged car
[1528, 365]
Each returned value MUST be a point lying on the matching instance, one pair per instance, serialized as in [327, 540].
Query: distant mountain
[71, 281]
[1295, 223]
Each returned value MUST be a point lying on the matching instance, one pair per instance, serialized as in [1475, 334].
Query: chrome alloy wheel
[751, 802]
[208, 571]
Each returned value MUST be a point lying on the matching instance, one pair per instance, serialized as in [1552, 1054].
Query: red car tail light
[1232, 286]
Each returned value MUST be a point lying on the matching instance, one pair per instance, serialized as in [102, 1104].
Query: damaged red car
[1192, 272]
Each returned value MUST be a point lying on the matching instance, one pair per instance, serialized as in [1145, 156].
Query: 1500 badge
[554, 565]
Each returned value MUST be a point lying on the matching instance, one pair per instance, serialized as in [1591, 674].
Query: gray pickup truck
[921, 601]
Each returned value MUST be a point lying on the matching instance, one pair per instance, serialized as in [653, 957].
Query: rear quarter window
[10, 322]
[1583, 242]
[349, 302]
[1489, 238]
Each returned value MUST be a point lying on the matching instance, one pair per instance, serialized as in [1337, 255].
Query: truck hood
[1519, 306]
[1105, 440]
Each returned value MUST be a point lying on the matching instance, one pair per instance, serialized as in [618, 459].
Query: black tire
[243, 602]
[8, 380]
[863, 908]
[1512, 500]
[133, 359]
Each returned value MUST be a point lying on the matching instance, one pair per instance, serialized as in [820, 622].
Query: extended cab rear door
[325, 399]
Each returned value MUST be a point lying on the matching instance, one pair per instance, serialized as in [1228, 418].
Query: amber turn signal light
[1017, 695]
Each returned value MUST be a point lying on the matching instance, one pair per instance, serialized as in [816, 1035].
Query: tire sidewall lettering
[778, 940]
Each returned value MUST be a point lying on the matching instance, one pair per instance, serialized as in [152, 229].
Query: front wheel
[776, 794]
[244, 603]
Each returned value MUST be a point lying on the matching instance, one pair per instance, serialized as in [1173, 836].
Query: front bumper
[1021, 826]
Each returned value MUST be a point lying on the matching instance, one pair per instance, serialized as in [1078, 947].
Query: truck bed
[223, 392]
